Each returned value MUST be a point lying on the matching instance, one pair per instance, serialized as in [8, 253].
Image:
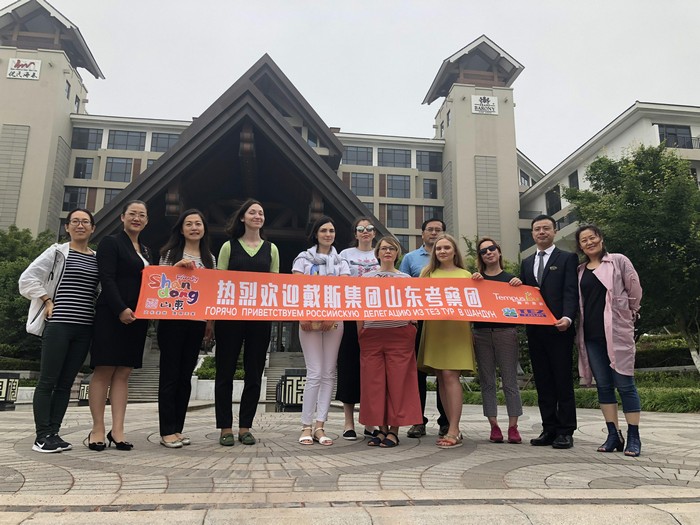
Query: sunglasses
[360, 229]
[491, 248]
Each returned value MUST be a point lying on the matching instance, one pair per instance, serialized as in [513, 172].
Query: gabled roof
[38, 17]
[480, 55]
[259, 99]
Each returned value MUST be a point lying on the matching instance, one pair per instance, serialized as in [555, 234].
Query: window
[67, 90]
[396, 216]
[524, 179]
[398, 186]
[110, 194]
[442, 129]
[150, 162]
[429, 161]
[74, 198]
[86, 138]
[358, 155]
[129, 140]
[83, 168]
[449, 118]
[573, 180]
[403, 241]
[362, 184]
[163, 141]
[553, 200]
[526, 239]
[395, 158]
[76, 104]
[311, 139]
[430, 189]
[432, 212]
[118, 170]
[675, 136]
[369, 206]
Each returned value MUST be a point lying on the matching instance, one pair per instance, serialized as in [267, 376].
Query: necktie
[540, 268]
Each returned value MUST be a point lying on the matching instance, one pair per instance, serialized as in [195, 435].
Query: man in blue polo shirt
[412, 264]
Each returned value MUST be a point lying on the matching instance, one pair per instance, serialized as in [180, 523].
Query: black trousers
[551, 354]
[230, 337]
[423, 386]
[179, 343]
[348, 386]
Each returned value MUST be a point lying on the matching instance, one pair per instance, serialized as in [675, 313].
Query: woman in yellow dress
[446, 347]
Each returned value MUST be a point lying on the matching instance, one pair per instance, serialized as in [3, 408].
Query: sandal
[323, 440]
[376, 441]
[389, 443]
[450, 441]
[308, 438]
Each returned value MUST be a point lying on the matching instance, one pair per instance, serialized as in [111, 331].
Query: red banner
[175, 293]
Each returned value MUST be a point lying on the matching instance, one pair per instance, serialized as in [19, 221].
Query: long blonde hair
[434, 264]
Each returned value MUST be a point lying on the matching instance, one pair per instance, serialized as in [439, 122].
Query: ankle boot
[615, 440]
[634, 444]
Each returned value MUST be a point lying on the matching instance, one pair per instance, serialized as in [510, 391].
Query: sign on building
[24, 69]
[484, 105]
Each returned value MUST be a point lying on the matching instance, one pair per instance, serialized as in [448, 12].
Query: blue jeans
[607, 379]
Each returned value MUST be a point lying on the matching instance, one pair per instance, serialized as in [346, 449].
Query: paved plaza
[279, 480]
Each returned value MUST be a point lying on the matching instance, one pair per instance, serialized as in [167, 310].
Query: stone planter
[203, 389]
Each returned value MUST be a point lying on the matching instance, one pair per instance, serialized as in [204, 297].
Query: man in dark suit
[551, 347]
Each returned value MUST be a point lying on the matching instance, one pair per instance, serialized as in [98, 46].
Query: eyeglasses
[387, 249]
[133, 215]
[491, 248]
[433, 230]
[360, 229]
[77, 222]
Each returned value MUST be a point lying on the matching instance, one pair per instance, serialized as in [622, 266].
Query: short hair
[393, 241]
[543, 217]
[433, 219]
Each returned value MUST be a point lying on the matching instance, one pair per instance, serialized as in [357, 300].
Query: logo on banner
[531, 312]
[173, 294]
[510, 312]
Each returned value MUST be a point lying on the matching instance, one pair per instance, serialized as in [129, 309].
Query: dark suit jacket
[120, 270]
[559, 286]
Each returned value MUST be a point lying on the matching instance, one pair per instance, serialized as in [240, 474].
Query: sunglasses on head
[491, 248]
[360, 229]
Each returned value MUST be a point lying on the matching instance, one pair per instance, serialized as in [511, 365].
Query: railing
[683, 142]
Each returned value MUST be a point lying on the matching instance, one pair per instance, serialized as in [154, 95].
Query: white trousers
[321, 357]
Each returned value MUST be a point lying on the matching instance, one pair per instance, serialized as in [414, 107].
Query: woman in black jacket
[119, 337]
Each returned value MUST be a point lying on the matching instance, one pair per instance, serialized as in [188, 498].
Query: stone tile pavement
[279, 480]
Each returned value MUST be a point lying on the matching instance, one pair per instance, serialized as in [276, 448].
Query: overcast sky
[365, 66]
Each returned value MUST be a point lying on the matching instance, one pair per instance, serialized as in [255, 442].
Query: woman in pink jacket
[609, 297]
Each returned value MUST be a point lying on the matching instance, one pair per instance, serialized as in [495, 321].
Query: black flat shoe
[543, 440]
[121, 445]
[563, 441]
[97, 446]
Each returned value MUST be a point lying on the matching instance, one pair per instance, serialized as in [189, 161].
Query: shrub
[9, 363]
[208, 369]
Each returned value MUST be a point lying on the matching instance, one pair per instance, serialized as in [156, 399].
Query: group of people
[83, 302]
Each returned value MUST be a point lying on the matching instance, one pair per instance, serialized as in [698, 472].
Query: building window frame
[126, 140]
[397, 216]
[86, 138]
[162, 142]
[675, 136]
[394, 158]
[83, 168]
[433, 212]
[362, 184]
[118, 169]
[430, 188]
[398, 186]
[74, 197]
[429, 161]
[110, 194]
[357, 155]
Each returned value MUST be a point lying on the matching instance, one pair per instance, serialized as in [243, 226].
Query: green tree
[18, 248]
[648, 205]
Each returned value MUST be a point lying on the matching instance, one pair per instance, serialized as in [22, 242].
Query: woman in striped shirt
[388, 374]
[62, 284]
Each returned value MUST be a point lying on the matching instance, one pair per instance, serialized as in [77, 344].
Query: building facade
[54, 156]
